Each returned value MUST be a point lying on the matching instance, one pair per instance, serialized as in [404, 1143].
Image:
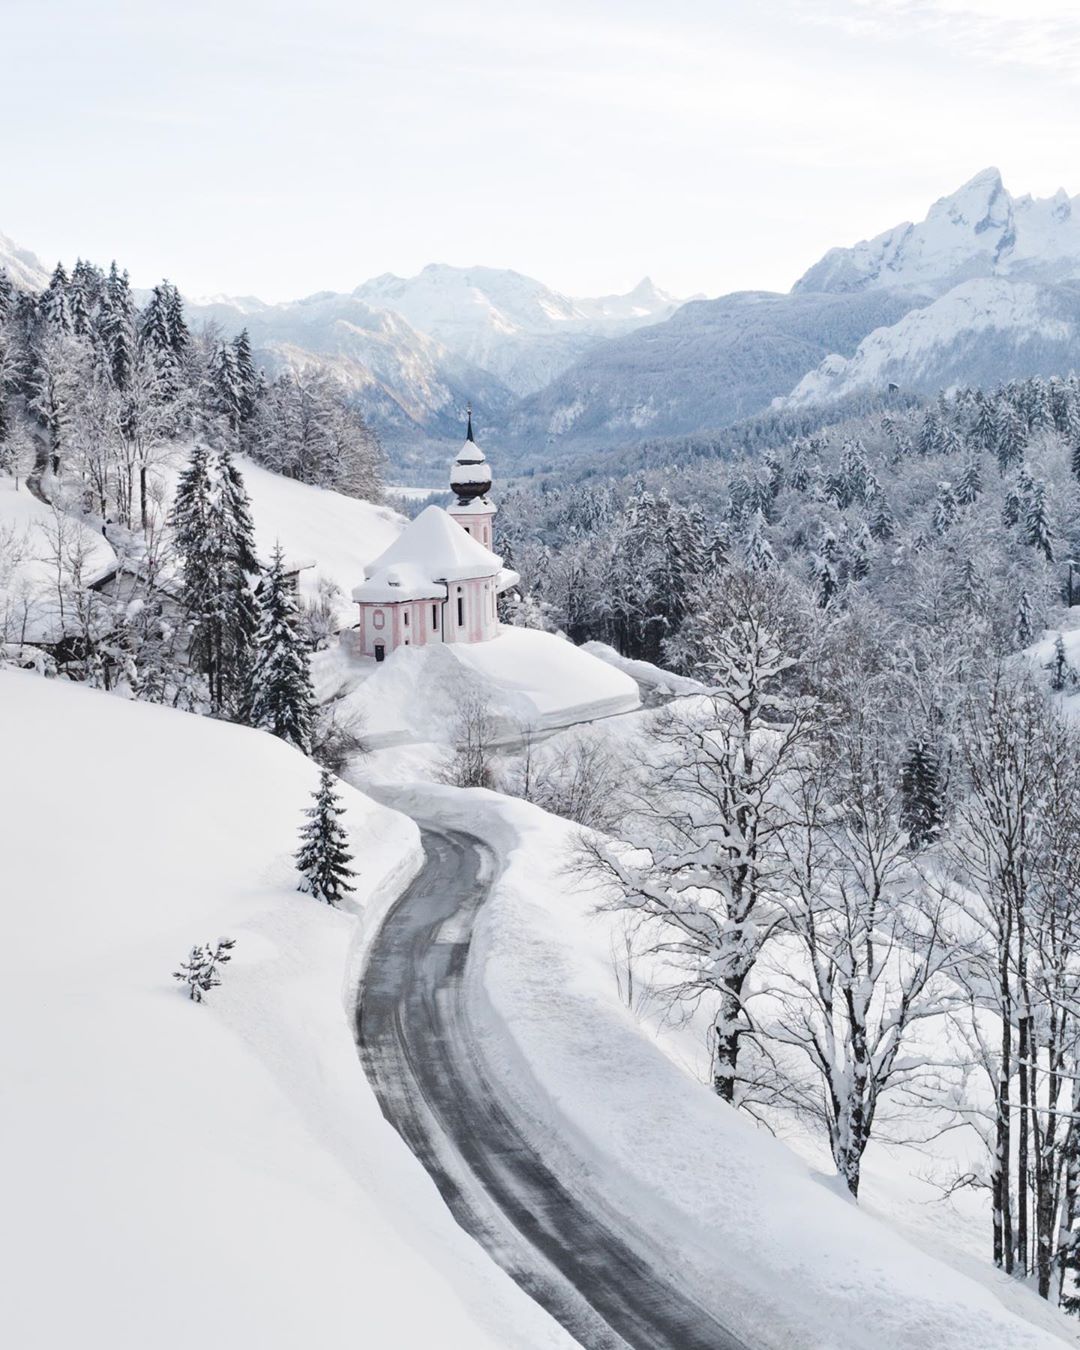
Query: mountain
[979, 332]
[517, 328]
[1003, 275]
[410, 387]
[21, 265]
[712, 363]
[981, 230]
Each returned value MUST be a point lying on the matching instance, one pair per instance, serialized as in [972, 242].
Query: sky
[280, 147]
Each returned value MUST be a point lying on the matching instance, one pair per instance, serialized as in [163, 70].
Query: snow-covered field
[216, 1175]
[797, 1262]
[529, 680]
[39, 550]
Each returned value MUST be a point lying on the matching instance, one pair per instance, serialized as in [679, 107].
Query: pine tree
[1062, 675]
[7, 295]
[323, 858]
[969, 485]
[116, 328]
[1037, 529]
[282, 700]
[200, 972]
[882, 521]
[759, 554]
[54, 301]
[247, 378]
[921, 806]
[1025, 625]
[944, 508]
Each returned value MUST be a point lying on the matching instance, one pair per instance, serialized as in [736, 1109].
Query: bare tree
[701, 851]
[474, 735]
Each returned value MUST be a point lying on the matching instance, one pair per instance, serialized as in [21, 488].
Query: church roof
[470, 473]
[432, 549]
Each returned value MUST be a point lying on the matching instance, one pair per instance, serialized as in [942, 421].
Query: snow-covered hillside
[712, 363]
[22, 266]
[979, 332]
[980, 230]
[44, 554]
[221, 1174]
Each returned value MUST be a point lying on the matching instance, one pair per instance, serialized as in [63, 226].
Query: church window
[378, 619]
[460, 611]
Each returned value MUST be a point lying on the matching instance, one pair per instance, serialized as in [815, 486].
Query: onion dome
[470, 473]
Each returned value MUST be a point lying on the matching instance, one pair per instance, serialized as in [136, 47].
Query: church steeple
[470, 474]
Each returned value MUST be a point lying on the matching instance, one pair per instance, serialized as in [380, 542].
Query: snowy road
[606, 1284]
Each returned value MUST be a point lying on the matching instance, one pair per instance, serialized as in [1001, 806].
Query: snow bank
[787, 1258]
[29, 608]
[528, 678]
[218, 1175]
[644, 673]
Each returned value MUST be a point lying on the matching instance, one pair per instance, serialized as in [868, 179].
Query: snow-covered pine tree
[1062, 674]
[323, 857]
[826, 582]
[1038, 531]
[969, 484]
[54, 301]
[246, 375]
[944, 508]
[281, 700]
[115, 328]
[759, 555]
[201, 971]
[921, 792]
[1025, 624]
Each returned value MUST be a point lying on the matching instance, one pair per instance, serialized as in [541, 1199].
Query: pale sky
[279, 147]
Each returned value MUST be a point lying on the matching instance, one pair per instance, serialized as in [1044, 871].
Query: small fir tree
[323, 858]
[1025, 625]
[200, 971]
[921, 810]
[1062, 675]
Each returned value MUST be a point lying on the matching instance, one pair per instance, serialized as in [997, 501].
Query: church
[439, 580]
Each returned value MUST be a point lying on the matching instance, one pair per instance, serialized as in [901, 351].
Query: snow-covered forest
[858, 850]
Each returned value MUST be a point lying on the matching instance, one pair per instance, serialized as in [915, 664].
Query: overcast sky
[278, 147]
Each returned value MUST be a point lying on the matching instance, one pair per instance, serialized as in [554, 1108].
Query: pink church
[439, 580]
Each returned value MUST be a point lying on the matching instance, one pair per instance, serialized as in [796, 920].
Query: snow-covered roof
[430, 550]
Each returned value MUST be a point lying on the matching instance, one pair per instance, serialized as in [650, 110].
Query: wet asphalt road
[600, 1280]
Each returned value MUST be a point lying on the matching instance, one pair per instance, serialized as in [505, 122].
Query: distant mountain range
[985, 288]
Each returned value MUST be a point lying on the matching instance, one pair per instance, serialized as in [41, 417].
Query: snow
[216, 1175]
[22, 266]
[431, 548]
[978, 231]
[917, 351]
[340, 534]
[29, 605]
[644, 673]
[786, 1257]
[531, 680]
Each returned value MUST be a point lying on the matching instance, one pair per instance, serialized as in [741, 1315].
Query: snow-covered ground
[216, 1175]
[42, 550]
[338, 534]
[799, 1264]
[529, 680]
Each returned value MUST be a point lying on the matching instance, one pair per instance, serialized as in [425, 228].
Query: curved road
[599, 1279]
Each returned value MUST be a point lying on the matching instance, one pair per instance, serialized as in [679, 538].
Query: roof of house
[432, 549]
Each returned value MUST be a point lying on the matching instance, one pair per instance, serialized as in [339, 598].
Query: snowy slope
[978, 231]
[528, 679]
[215, 1175]
[786, 1257]
[979, 332]
[712, 363]
[33, 538]
[519, 329]
[338, 534]
[22, 266]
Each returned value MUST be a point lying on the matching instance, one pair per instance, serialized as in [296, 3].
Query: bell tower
[470, 481]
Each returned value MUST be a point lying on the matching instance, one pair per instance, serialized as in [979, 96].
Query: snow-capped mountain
[1004, 276]
[517, 328]
[712, 363]
[22, 266]
[981, 230]
[409, 385]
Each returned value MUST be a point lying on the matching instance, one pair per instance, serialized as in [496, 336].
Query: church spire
[468, 428]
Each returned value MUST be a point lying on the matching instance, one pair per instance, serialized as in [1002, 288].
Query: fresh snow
[973, 324]
[219, 1174]
[29, 603]
[530, 680]
[774, 1246]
